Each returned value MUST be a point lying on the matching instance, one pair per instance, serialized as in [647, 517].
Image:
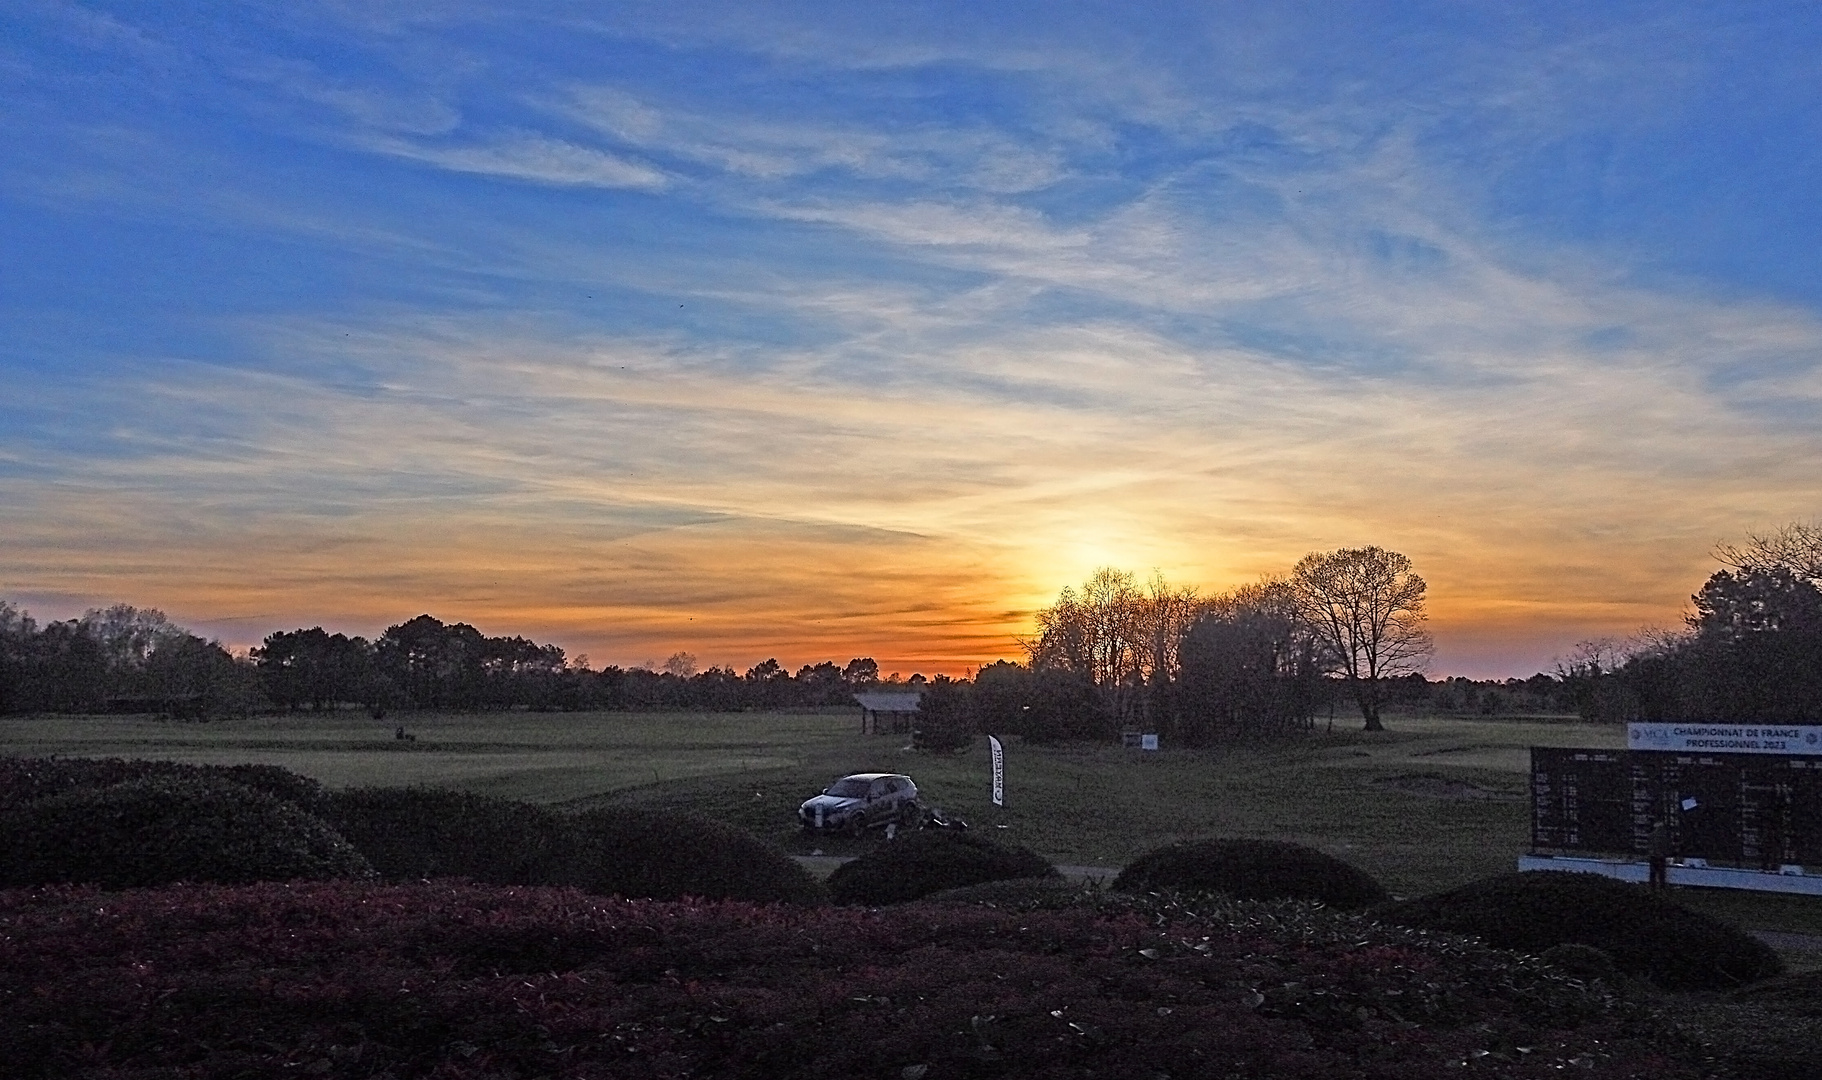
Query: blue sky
[826, 330]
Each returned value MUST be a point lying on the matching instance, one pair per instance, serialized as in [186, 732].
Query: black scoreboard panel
[1581, 800]
[1761, 810]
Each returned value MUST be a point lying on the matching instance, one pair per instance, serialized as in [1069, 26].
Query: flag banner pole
[999, 771]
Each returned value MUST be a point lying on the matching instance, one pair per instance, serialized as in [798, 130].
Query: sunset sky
[819, 331]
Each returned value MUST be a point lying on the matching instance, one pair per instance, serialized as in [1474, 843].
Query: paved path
[1808, 946]
[824, 865]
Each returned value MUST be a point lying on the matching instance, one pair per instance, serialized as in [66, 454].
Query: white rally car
[861, 801]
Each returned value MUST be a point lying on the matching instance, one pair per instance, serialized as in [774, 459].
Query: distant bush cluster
[119, 659]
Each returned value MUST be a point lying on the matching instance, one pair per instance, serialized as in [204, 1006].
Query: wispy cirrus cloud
[531, 157]
[770, 149]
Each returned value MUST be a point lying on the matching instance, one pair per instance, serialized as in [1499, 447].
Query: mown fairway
[1432, 803]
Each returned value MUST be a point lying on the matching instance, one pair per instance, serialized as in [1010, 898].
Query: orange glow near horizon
[735, 591]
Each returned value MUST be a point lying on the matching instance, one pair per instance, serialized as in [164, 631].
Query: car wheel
[910, 816]
[857, 824]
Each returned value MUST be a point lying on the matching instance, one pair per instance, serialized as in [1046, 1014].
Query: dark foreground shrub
[166, 829]
[626, 851]
[464, 982]
[1645, 933]
[1583, 962]
[1252, 870]
[1799, 994]
[416, 832]
[920, 863]
[1056, 890]
[26, 779]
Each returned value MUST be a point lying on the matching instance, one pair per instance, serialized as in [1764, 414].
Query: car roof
[874, 775]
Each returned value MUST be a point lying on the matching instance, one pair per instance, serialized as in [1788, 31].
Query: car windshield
[848, 788]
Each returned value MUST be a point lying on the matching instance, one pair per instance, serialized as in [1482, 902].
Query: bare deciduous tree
[1113, 631]
[1366, 606]
[1165, 614]
[1094, 632]
[1795, 549]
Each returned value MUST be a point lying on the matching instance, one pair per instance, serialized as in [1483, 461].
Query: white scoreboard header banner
[1727, 738]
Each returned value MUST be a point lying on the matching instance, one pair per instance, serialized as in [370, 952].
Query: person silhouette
[1658, 853]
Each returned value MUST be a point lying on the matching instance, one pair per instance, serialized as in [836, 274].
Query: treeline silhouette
[1749, 652]
[1263, 660]
[124, 659]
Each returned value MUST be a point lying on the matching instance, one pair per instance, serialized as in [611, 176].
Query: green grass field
[1432, 803]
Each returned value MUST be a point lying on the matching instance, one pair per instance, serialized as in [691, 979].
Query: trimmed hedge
[159, 830]
[413, 833]
[27, 779]
[915, 865]
[1646, 934]
[1252, 870]
[633, 852]
[417, 832]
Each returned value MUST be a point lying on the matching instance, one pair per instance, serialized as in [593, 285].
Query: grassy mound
[631, 852]
[1646, 934]
[921, 863]
[164, 829]
[1252, 870]
[413, 833]
[27, 779]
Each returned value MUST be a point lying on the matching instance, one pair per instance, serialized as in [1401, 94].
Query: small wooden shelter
[897, 708]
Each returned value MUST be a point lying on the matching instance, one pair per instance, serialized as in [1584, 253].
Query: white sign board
[1148, 742]
[999, 771]
[1727, 738]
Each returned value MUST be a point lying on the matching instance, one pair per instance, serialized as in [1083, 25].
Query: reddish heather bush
[464, 982]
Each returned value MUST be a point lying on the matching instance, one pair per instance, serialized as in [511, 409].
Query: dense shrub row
[918, 864]
[466, 981]
[1646, 934]
[28, 779]
[137, 823]
[627, 851]
[413, 833]
[1253, 870]
[162, 829]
